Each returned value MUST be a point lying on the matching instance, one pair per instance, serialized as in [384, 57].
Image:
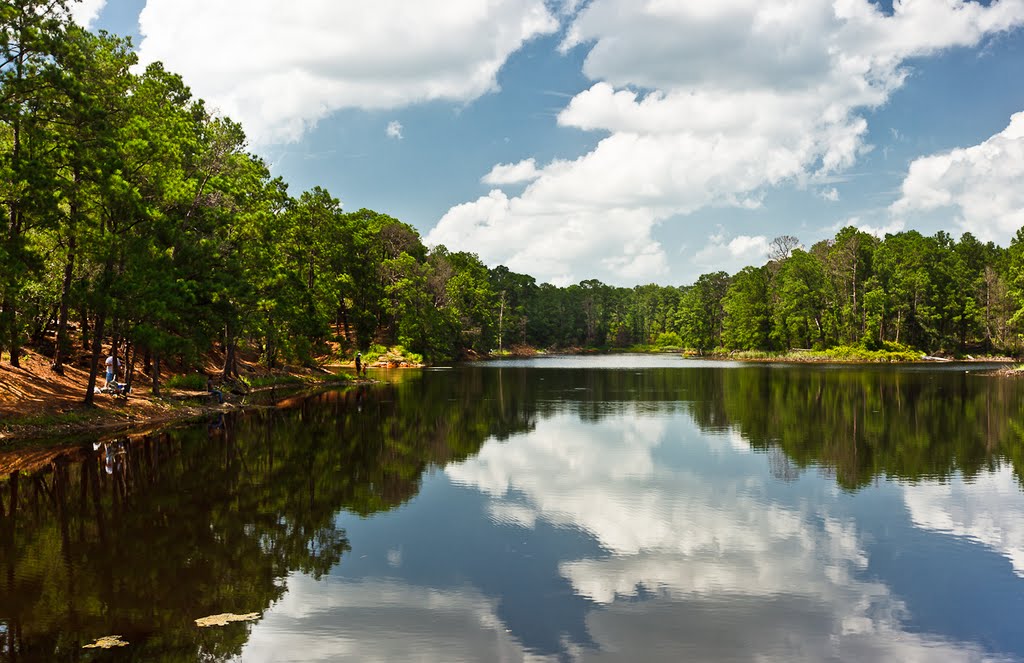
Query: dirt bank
[37, 403]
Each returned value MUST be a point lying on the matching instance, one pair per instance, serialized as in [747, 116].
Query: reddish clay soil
[34, 389]
[32, 398]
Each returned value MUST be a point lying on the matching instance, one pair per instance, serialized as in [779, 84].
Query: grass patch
[649, 349]
[193, 382]
[260, 381]
[54, 419]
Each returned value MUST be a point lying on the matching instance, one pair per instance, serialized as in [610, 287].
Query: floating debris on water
[107, 642]
[227, 617]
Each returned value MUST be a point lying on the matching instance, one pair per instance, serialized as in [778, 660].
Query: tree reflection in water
[140, 536]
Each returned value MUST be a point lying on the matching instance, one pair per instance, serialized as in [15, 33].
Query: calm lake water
[615, 508]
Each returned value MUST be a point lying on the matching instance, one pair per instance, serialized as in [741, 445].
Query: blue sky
[644, 141]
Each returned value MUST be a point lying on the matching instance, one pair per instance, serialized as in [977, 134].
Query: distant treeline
[930, 293]
[135, 217]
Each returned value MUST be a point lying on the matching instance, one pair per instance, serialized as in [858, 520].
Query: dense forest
[135, 218]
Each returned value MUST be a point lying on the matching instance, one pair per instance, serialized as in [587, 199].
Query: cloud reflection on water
[704, 558]
[701, 563]
[988, 509]
[382, 620]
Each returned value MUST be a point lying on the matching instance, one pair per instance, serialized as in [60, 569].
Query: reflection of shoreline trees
[142, 536]
[863, 423]
[856, 423]
[213, 518]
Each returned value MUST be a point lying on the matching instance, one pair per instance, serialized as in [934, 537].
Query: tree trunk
[10, 329]
[501, 319]
[114, 343]
[270, 349]
[129, 354]
[42, 324]
[65, 291]
[8, 314]
[94, 360]
[85, 329]
[344, 320]
[156, 374]
[230, 363]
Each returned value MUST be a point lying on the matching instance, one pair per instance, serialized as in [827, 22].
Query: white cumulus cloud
[732, 254]
[279, 70]
[980, 185]
[394, 129]
[546, 238]
[512, 173]
[84, 12]
[831, 194]
[707, 104]
[878, 230]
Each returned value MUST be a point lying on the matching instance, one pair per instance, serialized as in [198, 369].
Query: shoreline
[178, 408]
[39, 406]
[791, 357]
[788, 359]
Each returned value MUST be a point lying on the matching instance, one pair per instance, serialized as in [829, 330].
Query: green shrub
[669, 340]
[374, 352]
[748, 354]
[886, 353]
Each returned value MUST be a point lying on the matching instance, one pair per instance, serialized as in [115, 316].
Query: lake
[625, 507]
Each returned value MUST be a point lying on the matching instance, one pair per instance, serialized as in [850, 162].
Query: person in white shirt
[112, 369]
